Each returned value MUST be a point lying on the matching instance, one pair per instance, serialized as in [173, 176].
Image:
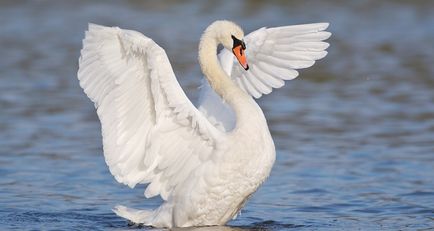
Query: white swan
[206, 162]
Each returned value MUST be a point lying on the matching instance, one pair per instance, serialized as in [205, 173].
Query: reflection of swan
[203, 162]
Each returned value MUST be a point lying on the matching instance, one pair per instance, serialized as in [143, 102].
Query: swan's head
[231, 36]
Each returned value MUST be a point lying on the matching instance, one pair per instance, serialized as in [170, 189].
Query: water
[354, 134]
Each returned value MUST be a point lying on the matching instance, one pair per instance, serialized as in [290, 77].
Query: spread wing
[274, 55]
[151, 131]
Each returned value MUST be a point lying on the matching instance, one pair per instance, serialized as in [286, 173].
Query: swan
[205, 161]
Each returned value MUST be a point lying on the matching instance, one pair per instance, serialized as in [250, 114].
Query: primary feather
[141, 106]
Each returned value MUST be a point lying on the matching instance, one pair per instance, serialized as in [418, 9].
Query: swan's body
[203, 162]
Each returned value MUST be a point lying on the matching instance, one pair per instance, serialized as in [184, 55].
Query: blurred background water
[354, 134]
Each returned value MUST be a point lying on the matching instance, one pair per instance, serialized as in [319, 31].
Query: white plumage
[203, 162]
[273, 55]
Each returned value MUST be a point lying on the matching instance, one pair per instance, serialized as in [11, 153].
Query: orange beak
[241, 56]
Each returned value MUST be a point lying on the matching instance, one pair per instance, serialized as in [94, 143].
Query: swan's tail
[134, 215]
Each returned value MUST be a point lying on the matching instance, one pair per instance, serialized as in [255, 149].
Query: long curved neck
[243, 104]
[211, 68]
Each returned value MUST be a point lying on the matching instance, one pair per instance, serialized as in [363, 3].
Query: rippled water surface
[354, 134]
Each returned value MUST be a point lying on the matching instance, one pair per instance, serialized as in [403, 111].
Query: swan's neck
[243, 105]
[211, 68]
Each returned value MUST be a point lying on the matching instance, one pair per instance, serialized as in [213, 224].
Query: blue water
[354, 134]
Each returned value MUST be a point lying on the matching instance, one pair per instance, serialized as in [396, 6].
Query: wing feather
[275, 54]
[151, 131]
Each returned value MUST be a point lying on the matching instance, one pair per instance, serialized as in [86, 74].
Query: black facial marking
[238, 42]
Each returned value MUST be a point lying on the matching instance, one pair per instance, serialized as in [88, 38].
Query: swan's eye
[238, 42]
